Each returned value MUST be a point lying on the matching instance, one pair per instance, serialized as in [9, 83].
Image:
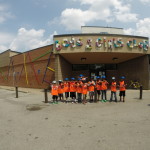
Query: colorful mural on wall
[27, 71]
[101, 42]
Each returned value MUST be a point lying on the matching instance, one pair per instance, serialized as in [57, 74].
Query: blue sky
[28, 24]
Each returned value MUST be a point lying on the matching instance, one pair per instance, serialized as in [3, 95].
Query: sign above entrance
[101, 43]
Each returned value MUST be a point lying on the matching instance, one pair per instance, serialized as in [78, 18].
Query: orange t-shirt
[122, 86]
[98, 85]
[84, 89]
[54, 90]
[104, 85]
[114, 86]
[72, 87]
[60, 89]
[66, 87]
[79, 88]
[91, 87]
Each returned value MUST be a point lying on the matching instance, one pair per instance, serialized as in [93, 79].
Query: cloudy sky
[28, 24]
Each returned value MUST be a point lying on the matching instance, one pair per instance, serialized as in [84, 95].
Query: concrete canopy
[99, 58]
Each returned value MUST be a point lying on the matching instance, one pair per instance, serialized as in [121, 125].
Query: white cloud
[108, 11]
[75, 18]
[127, 17]
[30, 39]
[5, 40]
[25, 40]
[4, 13]
[129, 31]
[142, 28]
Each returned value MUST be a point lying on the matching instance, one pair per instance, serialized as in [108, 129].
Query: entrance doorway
[97, 70]
[93, 70]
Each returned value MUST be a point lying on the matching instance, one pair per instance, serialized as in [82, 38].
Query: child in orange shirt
[113, 89]
[61, 91]
[73, 89]
[104, 89]
[91, 88]
[66, 88]
[54, 92]
[79, 90]
[98, 87]
[122, 86]
[84, 92]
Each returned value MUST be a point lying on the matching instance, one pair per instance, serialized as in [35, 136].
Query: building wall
[5, 57]
[136, 69]
[94, 29]
[63, 69]
[32, 77]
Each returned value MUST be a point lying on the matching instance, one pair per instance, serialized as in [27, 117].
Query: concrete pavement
[107, 126]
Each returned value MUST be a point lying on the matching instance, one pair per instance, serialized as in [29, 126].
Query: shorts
[98, 92]
[73, 94]
[60, 95]
[122, 93]
[66, 94]
[91, 93]
[54, 97]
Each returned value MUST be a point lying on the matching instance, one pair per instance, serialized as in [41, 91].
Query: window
[80, 67]
[101, 67]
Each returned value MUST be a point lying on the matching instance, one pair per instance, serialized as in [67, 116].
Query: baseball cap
[122, 77]
[103, 77]
[113, 78]
[54, 82]
[66, 79]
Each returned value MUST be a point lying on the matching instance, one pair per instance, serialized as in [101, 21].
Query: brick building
[29, 69]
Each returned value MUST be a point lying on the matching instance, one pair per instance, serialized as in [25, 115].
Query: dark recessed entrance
[94, 69]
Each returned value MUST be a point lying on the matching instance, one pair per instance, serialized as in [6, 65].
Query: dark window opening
[101, 67]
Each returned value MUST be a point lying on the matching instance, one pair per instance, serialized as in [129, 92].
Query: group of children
[78, 90]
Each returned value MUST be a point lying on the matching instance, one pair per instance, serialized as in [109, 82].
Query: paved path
[101, 126]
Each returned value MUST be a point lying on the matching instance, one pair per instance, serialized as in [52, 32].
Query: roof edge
[96, 34]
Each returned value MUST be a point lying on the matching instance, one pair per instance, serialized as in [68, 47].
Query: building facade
[102, 53]
[96, 51]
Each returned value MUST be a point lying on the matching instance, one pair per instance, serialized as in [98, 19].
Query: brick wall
[15, 75]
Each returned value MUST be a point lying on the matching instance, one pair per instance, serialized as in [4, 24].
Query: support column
[63, 68]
